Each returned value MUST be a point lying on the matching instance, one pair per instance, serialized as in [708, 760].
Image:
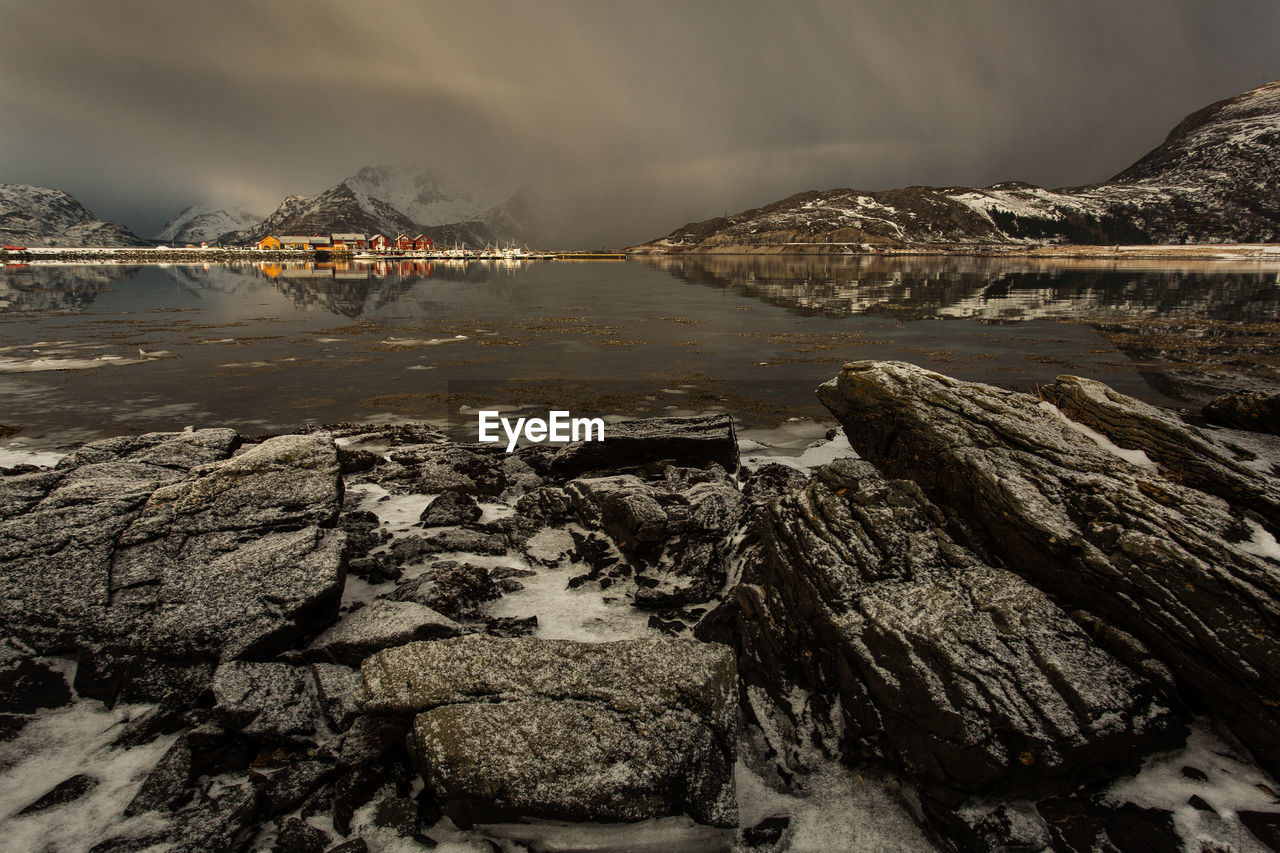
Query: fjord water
[87, 351]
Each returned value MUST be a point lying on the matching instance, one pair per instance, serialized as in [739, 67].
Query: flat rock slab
[509, 727]
[694, 442]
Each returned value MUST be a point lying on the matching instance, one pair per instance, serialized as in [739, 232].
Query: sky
[623, 120]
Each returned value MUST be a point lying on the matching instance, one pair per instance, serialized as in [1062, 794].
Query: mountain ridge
[205, 223]
[393, 200]
[42, 216]
[1213, 180]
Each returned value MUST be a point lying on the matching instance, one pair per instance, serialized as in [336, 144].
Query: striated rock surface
[1178, 569]
[624, 730]
[964, 675]
[154, 557]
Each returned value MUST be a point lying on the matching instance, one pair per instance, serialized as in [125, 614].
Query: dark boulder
[457, 591]
[1251, 410]
[693, 442]
[965, 676]
[450, 508]
[1165, 563]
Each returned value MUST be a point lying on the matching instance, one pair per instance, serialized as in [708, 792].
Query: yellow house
[269, 242]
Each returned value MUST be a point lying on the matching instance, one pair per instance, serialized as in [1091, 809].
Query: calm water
[93, 350]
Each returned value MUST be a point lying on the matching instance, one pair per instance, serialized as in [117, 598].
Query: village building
[422, 243]
[379, 243]
[404, 243]
[350, 241]
[270, 243]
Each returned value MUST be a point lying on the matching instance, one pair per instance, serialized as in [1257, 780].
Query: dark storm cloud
[627, 118]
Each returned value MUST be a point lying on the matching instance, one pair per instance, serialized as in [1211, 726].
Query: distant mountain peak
[1215, 178]
[205, 223]
[41, 216]
[397, 199]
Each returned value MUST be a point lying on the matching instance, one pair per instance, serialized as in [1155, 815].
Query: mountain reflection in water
[274, 347]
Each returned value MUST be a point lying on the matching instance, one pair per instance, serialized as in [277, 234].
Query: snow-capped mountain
[39, 216]
[392, 200]
[204, 222]
[1216, 178]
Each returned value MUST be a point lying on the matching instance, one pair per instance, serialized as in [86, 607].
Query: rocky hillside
[1213, 180]
[202, 222]
[391, 200]
[39, 216]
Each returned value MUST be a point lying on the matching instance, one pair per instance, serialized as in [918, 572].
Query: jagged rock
[363, 532]
[218, 821]
[153, 574]
[693, 442]
[340, 690]
[1251, 410]
[964, 675]
[636, 516]
[1081, 825]
[468, 541]
[166, 717]
[511, 626]
[546, 503]
[357, 461]
[624, 730]
[290, 481]
[399, 814]
[272, 702]
[1185, 455]
[27, 683]
[351, 791]
[369, 740]
[453, 590]
[450, 468]
[168, 785]
[288, 787]
[296, 836]
[1148, 555]
[450, 508]
[66, 791]
[355, 845]
[376, 568]
[221, 818]
[379, 625]
[679, 537]
[1265, 826]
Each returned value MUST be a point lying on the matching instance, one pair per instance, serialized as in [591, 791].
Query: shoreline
[1263, 252]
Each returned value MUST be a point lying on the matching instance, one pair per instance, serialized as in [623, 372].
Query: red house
[404, 243]
[378, 243]
[422, 243]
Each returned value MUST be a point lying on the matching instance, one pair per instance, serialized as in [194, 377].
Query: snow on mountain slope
[1216, 178]
[423, 196]
[394, 200]
[204, 222]
[39, 216]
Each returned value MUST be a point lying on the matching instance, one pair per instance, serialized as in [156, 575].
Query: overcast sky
[627, 118]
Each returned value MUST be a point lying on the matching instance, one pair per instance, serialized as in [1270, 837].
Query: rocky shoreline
[1002, 607]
